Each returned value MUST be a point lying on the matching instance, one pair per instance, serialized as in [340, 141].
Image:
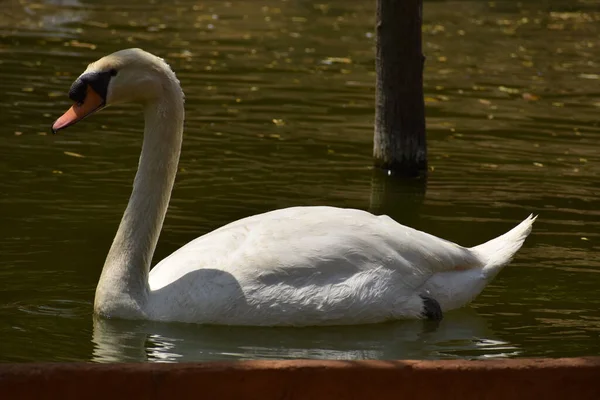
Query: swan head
[126, 76]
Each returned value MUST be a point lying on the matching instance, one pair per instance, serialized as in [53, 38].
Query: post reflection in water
[388, 191]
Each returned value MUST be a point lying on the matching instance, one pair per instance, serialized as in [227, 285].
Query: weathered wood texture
[399, 140]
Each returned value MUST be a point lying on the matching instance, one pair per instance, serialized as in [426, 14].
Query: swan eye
[113, 72]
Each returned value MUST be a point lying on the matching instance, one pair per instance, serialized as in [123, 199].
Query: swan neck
[123, 287]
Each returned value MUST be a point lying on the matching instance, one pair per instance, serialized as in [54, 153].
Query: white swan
[294, 266]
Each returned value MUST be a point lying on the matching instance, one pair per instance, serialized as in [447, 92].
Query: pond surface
[279, 98]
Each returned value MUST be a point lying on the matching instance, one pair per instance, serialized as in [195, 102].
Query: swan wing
[317, 246]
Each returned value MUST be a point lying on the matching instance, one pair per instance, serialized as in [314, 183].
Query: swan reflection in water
[461, 334]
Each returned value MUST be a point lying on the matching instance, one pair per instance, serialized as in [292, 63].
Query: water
[279, 99]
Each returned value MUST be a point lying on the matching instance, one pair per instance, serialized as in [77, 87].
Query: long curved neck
[123, 287]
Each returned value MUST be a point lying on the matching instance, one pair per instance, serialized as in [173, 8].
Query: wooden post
[399, 140]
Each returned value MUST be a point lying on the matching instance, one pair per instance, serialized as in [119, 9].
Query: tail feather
[498, 252]
[455, 289]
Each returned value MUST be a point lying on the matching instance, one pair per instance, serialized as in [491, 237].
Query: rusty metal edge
[302, 379]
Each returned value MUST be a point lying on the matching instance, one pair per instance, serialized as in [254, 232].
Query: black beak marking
[96, 80]
[78, 91]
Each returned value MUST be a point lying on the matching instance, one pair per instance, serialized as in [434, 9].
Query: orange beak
[93, 102]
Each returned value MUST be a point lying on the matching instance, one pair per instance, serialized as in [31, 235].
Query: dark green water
[280, 113]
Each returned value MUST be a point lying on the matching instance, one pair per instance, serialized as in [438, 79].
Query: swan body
[294, 266]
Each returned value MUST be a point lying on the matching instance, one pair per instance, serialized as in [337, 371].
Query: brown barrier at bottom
[567, 378]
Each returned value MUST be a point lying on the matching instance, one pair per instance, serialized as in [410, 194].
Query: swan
[296, 266]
